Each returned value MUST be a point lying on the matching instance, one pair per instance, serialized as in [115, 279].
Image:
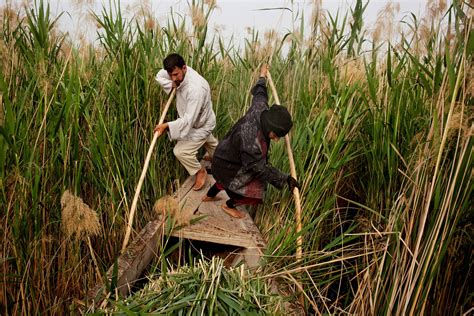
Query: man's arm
[164, 80]
[259, 91]
[161, 128]
[254, 162]
[267, 173]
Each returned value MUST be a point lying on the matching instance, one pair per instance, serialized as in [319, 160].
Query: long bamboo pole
[145, 168]
[296, 191]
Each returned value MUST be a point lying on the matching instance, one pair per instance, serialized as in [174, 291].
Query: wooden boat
[195, 221]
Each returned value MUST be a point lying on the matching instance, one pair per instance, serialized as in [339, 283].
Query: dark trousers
[234, 198]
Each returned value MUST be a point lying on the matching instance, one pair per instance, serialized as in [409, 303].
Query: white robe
[193, 101]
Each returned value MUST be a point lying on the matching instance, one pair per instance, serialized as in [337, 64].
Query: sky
[232, 17]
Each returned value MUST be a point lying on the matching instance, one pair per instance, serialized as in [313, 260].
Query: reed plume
[80, 222]
[166, 205]
[78, 219]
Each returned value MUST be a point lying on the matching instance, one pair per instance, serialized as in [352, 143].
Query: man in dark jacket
[239, 164]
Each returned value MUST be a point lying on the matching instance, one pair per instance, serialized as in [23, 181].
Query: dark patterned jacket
[240, 160]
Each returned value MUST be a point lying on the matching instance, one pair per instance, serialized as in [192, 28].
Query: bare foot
[233, 211]
[200, 181]
[206, 198]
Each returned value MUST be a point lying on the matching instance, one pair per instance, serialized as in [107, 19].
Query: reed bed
[206, 287]
[382, 142]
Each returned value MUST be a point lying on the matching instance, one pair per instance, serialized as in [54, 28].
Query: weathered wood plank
[184, 189]
[212, 237]
[218, 218]
[217, 226]
[253, 231]
[251, 256]
[133, 261]
[204, 232]
[190, 204]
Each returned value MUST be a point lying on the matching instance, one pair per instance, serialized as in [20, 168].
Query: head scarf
[277, 120]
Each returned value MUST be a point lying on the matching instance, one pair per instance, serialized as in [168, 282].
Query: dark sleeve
[260, 95]
[254, 163]
[271, 175]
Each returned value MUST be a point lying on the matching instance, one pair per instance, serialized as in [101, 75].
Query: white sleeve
[180, 127]
[164, 80]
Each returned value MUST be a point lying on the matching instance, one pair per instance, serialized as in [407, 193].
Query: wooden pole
[296, 191]
[145, 168]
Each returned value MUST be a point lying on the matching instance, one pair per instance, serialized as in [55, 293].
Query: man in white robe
[193, 128]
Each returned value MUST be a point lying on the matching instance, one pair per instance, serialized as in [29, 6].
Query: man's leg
[229, 208]
[236, 199]
[210, 146]
[211, 194]
[186, 152]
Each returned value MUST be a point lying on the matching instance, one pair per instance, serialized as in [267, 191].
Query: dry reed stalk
[145, 168]
[197, 16]
[384, 25]
[83, 2]
[211, 3]
[296, 191]
[351, 70]
[2, 119]
[317, 15]
[143, 10]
